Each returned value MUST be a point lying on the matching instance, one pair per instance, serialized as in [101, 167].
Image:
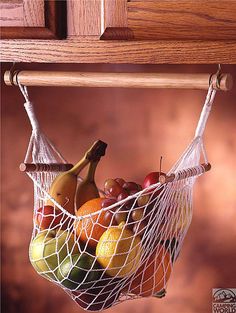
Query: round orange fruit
[152, 275]
[90, 229]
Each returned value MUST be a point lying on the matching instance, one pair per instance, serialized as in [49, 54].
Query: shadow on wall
[139, 126]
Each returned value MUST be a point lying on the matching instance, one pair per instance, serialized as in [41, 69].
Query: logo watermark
[224, 300]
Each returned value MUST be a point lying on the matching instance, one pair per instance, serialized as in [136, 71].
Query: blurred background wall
[139, 126]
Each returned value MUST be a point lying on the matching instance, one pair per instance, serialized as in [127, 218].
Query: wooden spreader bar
[163, 179]
[220, 81]
[189, 172]
[43, 167]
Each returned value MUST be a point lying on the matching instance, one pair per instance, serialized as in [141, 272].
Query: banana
[63, 188]
[87, 189]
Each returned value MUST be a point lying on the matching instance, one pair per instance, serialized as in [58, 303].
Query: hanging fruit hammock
[106, 246]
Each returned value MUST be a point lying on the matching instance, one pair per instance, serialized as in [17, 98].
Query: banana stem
[91, 171]
[79, 166]
[93, 154]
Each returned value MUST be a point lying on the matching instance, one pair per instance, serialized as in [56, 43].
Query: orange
[118, 251]
[153, 274]
[90, 229]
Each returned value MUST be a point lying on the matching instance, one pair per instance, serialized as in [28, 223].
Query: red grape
[109, 218]
[120, 181]
[137, 214]
[112, 188]
[107, 202]
[133, 192]
[131, 186]
[120, 217]
[143, 200]
[109, 183]
[115, 190]
[124, 194]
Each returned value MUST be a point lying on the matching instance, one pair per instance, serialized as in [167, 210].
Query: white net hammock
[122, 250]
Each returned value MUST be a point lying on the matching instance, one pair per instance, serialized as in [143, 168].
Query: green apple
[79, 271]
[48, 250]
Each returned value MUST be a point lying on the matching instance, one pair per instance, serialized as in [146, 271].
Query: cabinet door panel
[115, 20]
[33, 13]
[175, 20]
[84, 18]
[11, 13]
[33, 19]
[183, 19]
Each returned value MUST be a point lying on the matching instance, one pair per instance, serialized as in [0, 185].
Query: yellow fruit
[63, 188]
[178, 217]
[87, 189]
[118, 251]
[48, 249]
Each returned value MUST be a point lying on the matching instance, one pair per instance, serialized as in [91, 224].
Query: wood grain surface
[40, 20]
[115, 13]
[114, 20]
[136, 52]
[184, 32]
[11, 13]
[123, 80]
[24, 13]
[183, 19]
[33, 13]
[84, 17]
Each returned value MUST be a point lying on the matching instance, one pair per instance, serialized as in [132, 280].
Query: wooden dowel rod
[43, 167]
[127, 80]
[190, 172]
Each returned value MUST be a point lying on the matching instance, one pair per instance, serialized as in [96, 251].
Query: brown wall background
[139, 126]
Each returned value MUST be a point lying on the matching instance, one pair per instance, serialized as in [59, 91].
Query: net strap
[29, 108]
[36, 132]
[205, 112]
[199, 129]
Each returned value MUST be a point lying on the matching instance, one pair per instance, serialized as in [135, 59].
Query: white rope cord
[31, 114]
[29, 108]
[205, 112]
[55, 150]
[36, 132]
[151, 244]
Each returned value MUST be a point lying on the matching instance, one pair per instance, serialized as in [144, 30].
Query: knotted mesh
[110, 253]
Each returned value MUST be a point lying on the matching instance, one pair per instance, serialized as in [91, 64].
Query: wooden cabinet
[32, 19]
[123, 31]
[174, 20]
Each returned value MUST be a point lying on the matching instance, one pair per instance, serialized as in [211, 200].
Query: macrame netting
[142, 268]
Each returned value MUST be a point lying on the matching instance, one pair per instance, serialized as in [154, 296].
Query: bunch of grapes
[116, 190]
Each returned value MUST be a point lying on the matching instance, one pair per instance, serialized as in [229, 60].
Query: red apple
[50, 217]
[151, 178]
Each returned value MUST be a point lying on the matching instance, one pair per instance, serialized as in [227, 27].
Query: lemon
[118, 251]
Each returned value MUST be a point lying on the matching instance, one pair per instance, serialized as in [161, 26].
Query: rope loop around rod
[28, 107]
[34, 123]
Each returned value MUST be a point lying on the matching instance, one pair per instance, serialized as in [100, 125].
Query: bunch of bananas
[64, 188]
